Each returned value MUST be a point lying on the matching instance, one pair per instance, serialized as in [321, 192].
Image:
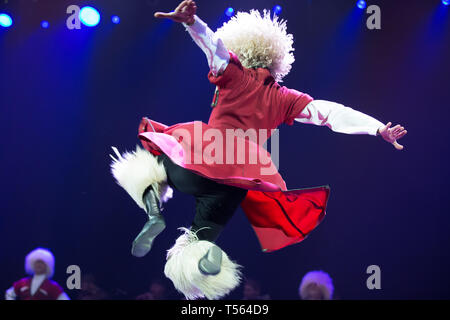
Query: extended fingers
[191, 3]
[163, 15]
[182, 5]
[191, 7]
[394, 129]
[397, 145]
[400, 134]
[398, 131]
[188, 4]
[394, 133]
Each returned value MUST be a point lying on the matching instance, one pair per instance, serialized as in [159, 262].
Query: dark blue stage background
[67, 96]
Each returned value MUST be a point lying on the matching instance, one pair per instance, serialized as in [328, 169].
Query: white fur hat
[259, 41]
[40, 254]
[323, 281]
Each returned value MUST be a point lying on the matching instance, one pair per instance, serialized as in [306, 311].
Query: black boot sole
[143, 242]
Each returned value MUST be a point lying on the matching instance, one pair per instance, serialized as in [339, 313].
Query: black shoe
[211, 261]
[154, 226]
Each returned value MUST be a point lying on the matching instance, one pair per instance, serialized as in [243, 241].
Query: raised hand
[391, 135]
[183, 13]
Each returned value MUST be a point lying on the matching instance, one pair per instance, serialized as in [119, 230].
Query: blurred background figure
[40, 265]
[157, 291]
[90, 290]
[316, 285]
[253, 291]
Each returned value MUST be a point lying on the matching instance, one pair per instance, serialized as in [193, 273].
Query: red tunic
[247, 99]
[250, 98]
[49, 290]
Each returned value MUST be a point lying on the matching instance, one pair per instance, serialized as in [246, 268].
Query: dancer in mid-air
[215, 162]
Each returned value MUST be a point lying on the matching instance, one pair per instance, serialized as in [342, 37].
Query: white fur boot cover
[135, 171]
[182, 268]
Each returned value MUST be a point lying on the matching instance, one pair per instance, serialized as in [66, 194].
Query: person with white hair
[316, 285]
[40, 265]
[248, 57]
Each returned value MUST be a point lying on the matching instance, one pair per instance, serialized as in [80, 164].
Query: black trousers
[215, 202]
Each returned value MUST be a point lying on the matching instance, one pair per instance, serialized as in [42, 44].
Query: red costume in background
[48, 290]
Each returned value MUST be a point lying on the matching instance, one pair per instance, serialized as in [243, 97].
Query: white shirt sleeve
[213, 47]
[338, 118]
[63, 296]
[10, 294]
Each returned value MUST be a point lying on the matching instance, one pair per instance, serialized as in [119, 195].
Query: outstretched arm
[347, 120]
[214, 49]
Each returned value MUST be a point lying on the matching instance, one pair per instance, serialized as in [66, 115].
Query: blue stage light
[361, 4]
[89, 16]
[115, 19]
[446, 2]
[45, 24]
[5, 20]
[277, 10]
[229, 12]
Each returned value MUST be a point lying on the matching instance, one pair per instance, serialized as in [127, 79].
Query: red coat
[247, 99]
[49, 290]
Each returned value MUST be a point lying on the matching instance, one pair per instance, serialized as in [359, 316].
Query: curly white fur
[182, 268]
[136, 171]
[40, 254]
[259, 41]
[323, 281]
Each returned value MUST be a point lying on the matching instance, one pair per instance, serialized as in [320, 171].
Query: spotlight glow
[446, 2]
[89, 16]
[229, 12]
[115, 19]
[5, 20]
[45, 24]
[277, 10]
[361, 4]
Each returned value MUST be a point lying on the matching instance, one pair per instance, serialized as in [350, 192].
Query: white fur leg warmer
[182, 268]
[135, 171]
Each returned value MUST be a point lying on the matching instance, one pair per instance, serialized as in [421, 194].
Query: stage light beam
[5, 20]
[115, 19]
[361, 4]
[229, 12]
[446, 2]
[277, 10]
[89, 16]
[45, 24]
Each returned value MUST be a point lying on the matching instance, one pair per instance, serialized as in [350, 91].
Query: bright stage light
[229, 12]
[361, 4]
[5, 20]
[45, 24]
[277, 10]
[115, 19]
[89, 16]
[446, 2]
